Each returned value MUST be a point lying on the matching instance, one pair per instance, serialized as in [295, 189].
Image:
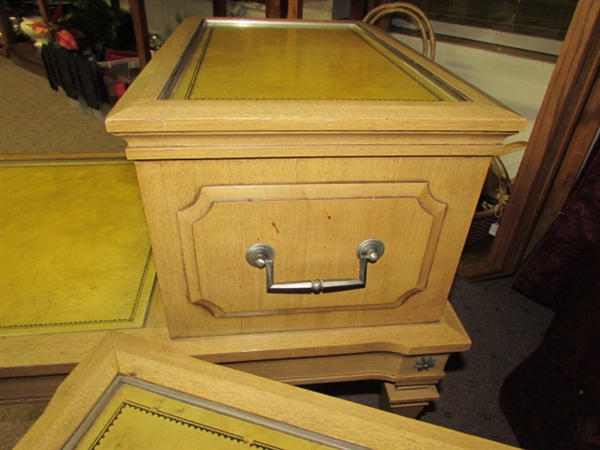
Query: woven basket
[497, 185]
[417, 15]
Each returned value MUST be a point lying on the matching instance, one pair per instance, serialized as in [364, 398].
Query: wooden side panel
[391, 367]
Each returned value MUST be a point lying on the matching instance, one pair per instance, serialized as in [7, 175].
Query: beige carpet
[35, 119]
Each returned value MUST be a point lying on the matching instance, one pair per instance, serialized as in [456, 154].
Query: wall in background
[164, 15]
[543, 18]
[516, 81]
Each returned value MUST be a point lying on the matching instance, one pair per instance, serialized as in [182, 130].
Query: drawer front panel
[416, 206]
[314, 230]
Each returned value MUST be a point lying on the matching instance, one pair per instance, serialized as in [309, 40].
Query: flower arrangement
[90, 27]
[57, 30]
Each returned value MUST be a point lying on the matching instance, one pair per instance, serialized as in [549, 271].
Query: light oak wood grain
[163, 366]
[336, 218]
[312, 173]
[183, 181]
[59, 353]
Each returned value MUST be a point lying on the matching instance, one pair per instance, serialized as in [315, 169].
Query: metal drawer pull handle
[263, 255]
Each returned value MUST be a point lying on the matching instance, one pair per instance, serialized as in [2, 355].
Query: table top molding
[142, 109]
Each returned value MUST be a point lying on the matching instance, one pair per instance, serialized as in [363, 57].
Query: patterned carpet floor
[37, 120]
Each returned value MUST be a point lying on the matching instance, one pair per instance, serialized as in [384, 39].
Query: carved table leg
[407, 401]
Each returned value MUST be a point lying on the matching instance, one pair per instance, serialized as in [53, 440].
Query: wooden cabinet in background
[567, 126]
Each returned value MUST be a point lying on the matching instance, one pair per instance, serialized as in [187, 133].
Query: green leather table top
[74, 248]
[141, 415]
[297, 61]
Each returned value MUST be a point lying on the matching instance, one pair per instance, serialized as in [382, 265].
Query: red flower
[66, 39]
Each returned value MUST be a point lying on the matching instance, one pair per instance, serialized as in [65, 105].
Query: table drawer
[314, 213]
[317, 241]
